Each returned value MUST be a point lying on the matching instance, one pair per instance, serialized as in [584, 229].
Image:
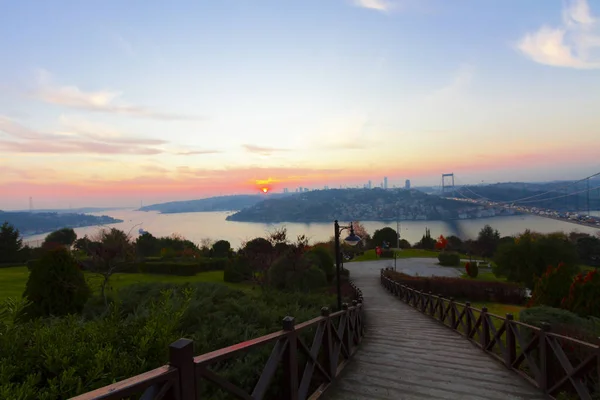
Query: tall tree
[386, 234]
[487, 241]
[109, 252]
[65, 237]
[10, 243]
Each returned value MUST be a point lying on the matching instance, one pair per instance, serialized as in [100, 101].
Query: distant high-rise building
[285, 190]
[385, 182]
[325, 187]
[407, 184]
[369, 185]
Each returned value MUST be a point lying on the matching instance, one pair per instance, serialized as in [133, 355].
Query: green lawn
[406, 253]
[487, 276]
[13, 280]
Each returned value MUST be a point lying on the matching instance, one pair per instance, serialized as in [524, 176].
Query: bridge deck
[408, 355]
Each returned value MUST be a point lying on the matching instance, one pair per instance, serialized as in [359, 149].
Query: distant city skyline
[108, 103]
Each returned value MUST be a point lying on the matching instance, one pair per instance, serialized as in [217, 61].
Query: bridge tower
[447, 184]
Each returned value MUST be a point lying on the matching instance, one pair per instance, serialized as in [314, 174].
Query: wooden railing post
[453, 322]
[511, 344]
[485, 329]
[290, 360]
[543, 350]
[469, 320]
[181, 356]
[347, 333]
[441, 307]
[328, 345]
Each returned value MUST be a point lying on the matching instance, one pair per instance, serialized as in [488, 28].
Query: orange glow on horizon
[265, 190]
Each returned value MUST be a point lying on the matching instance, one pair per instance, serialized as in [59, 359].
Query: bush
[237, 271]
[472, 269]
[387, 254]
[63, 357]
[584, 295]
[308, 280]
[221, 249]
[449, 259]
[56, 286]
[552, 287]
[528, 256]
[180, 268]
[472, 290]
[324, 260]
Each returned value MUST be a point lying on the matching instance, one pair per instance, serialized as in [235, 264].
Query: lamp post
[352, 240]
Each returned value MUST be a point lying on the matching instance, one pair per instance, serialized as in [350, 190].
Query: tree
[588, 248]
[487, 241]
[360, 231]
[10, 243]
[528, 256]
[455, 243]
[441, 243]
[56, 286]
[65, 237]
[386, 234]
[221, 249]
[146, 245]
[426, 242]
[258, 253]
[109, 251]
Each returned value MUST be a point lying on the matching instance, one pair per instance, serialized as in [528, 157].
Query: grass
[486, 276]
[13, 280]
[370, 255]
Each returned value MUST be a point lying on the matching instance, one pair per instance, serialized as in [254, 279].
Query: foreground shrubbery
[449, 259]
[57, 358]
[459, 288]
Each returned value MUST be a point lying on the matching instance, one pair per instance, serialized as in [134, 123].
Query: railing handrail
[515, 350]
[174, 377]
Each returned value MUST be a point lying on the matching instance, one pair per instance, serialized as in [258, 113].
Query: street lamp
[352, 240]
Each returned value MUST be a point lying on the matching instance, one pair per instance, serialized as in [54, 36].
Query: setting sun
[265, 190]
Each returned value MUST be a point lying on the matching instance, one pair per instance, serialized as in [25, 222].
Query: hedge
[188, 268]
[449, 259]
[471, 290]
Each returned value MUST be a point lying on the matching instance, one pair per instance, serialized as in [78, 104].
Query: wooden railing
[554, 363]
[335, 339]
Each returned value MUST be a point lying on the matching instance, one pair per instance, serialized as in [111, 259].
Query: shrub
[584, 295]
[237, 271]
[472, 290]
[552, 287]
[528, 256]
[56, 286]
[63, 357]
[324, 260]
[449, 259]
[168, 252]
[221, 249]
[472, 269]
[308, 280]
[182, 268]
[387, 254]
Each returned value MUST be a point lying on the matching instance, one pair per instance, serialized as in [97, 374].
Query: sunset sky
[112, 102]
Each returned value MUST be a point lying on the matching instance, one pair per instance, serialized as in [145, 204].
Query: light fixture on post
[351, 240]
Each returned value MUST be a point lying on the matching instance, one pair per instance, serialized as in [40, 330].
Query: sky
[111, 102]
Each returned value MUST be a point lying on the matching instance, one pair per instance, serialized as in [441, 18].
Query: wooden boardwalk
[408, 355]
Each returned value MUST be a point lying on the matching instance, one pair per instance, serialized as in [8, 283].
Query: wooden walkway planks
[408, 355]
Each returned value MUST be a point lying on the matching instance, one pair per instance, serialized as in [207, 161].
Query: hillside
[351, 204]
[41, 222]
[218, 203]
[548, 195]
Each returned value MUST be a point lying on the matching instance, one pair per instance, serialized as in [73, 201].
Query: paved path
[410, 266]
[408, 355]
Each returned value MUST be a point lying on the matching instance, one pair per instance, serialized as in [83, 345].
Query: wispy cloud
[196, 152]
[379, 5]
[78, 135]
[574, 44]
[106, 101]
[262, 150]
